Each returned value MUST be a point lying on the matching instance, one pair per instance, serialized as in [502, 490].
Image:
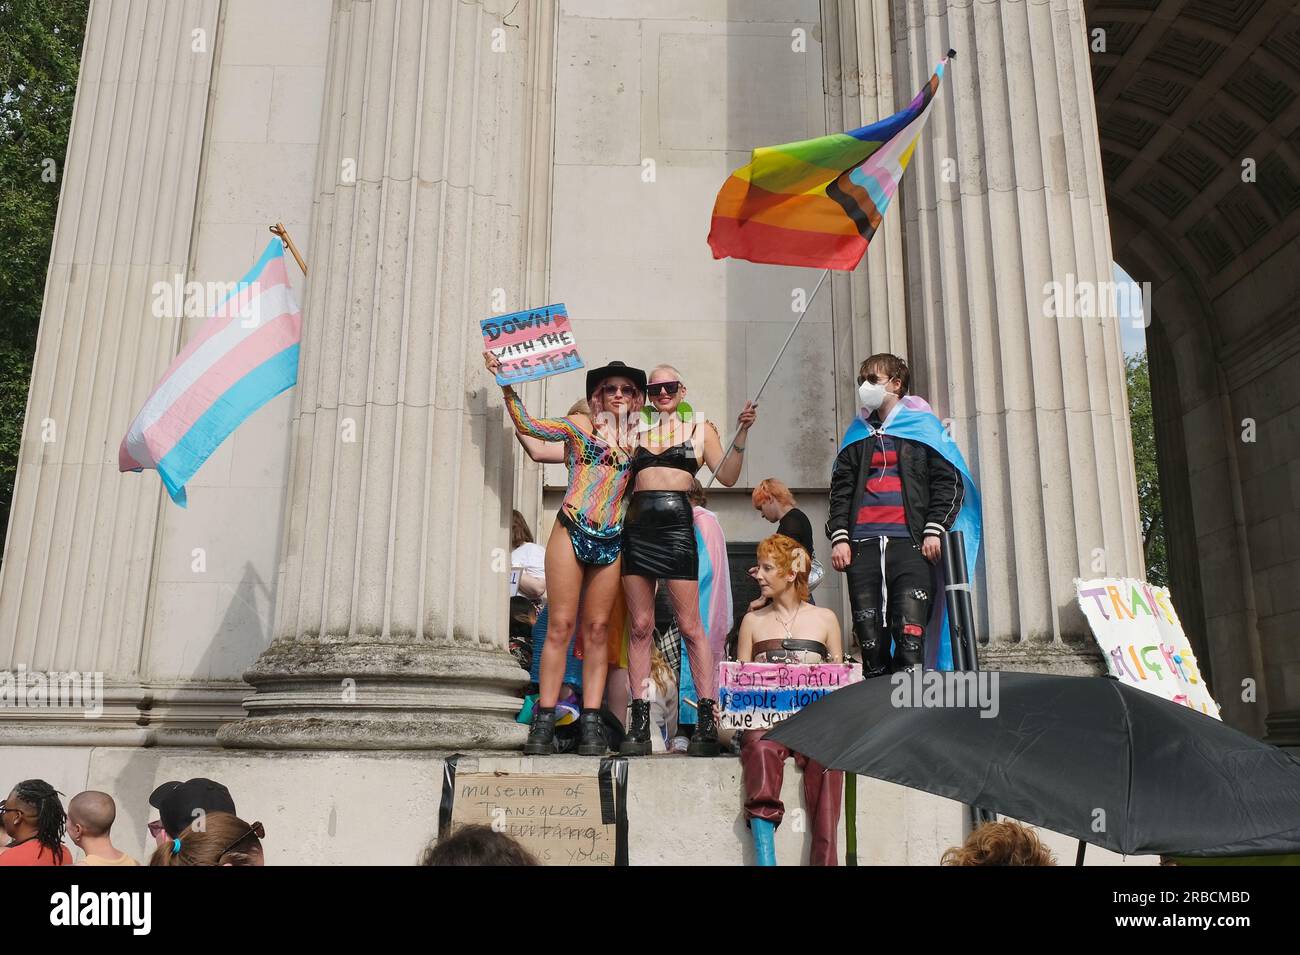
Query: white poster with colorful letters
[1142, 639]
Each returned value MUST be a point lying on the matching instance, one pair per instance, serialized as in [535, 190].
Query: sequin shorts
[588, 549]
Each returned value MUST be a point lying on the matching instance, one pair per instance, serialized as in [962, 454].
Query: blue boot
[764, 848]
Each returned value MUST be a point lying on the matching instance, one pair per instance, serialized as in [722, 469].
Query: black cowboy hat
[614, 369]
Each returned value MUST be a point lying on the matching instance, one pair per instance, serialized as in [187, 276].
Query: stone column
[536, 239]
[391, 621]
[74, 590]
[1007, 197]
[869, 311]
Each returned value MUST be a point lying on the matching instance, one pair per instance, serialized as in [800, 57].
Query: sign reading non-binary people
[531, 344]
[1143, 641]
[760, 695]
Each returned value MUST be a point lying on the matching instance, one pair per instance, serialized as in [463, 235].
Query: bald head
[93, 811]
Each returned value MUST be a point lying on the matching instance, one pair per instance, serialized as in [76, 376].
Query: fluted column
[74, 590]
[1038, 402]
[391, 623]
[869, 312]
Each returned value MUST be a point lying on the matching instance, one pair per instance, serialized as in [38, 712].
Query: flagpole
[770, 371]
[279, 230]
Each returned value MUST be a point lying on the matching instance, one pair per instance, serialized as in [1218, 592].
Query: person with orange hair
[788, 630]
[772, 499]
[1000, 843]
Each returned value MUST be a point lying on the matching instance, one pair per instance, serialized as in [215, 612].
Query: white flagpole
[770, 371]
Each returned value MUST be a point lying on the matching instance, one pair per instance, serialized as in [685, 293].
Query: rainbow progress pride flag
[244, 355]
[818, 202]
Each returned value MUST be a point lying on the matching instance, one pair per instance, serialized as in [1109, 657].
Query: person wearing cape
[898, 485]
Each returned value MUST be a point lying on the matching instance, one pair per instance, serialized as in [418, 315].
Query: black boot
[637, 740]
[591, 734]
[704, 741]
[541, 734]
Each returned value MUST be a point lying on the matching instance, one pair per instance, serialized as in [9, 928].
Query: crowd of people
[634, 526]
[622, 617]
[196, 825]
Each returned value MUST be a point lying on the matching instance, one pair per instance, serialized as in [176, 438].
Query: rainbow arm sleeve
[548, 429]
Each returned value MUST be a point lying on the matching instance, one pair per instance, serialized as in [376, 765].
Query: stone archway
[1198, 110]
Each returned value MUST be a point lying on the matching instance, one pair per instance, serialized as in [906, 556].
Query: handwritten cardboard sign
[558, 818]
[760, 695]
[531, 344]
[1142, 639]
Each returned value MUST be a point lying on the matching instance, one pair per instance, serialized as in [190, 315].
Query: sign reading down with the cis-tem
[756, 696]
[531, 344]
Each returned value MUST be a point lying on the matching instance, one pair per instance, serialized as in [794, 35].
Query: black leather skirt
[659, 537]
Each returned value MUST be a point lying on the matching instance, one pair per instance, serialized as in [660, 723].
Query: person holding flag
[659, 543]
[899, 484]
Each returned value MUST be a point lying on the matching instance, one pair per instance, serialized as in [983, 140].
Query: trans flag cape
[244, 355]
[818, 202]
[912, 419]
[715, 603]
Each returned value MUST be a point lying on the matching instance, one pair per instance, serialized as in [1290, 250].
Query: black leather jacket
[932, 489]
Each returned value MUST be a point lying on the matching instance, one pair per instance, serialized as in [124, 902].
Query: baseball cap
[176, 802]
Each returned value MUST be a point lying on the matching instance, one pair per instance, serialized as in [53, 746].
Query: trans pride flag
[715, 603]
[244, 355]
[818, 202]
[913, 419]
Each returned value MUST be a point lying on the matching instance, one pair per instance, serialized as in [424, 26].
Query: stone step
[381, 808]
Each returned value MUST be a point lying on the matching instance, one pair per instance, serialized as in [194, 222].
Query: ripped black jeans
[903, 569]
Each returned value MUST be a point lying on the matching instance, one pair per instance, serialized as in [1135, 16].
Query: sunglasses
[874, 379]
[156, 828]
[4, 809]
[256, 829]
[629, 390]
[663, 388]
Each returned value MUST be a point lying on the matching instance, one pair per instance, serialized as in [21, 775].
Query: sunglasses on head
[256, 829]
[629, 390]
[658, 388]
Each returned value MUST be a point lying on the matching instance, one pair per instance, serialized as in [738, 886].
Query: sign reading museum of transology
[1143, 641]
[531, 344]
[560, 819]
[757, 696]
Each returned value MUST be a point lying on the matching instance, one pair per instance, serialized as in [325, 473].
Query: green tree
[40, 52]
[1142, 422]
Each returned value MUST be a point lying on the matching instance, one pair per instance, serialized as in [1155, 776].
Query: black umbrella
[1085, 756]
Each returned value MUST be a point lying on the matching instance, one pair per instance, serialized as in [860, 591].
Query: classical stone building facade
[438, 159]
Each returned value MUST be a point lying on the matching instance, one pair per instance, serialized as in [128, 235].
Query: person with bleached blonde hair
[659, 544]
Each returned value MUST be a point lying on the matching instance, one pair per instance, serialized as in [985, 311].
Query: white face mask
[870, 396]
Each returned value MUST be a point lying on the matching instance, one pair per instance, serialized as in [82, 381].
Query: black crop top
[679, 456]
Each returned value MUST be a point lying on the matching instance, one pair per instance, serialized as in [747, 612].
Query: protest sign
[1142, 639]
[531, 344]
[560, 819]
[760, 695]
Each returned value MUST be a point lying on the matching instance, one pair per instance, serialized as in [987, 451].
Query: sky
[1133, 340]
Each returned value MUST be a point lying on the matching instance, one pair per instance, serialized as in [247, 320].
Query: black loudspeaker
[741, 555]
